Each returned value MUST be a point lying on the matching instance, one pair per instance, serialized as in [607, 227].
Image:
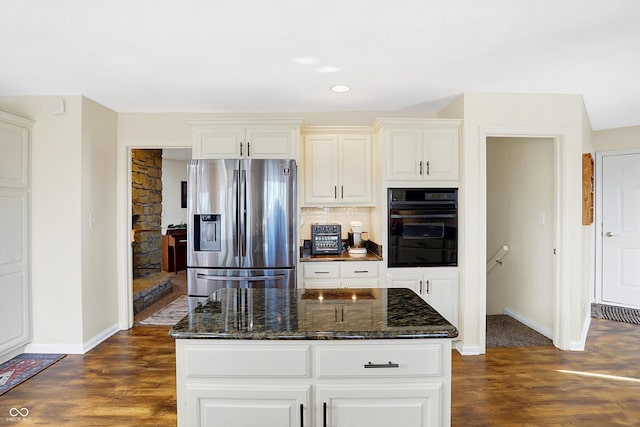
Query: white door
[286, 406]
[621, 229]
[380, 405]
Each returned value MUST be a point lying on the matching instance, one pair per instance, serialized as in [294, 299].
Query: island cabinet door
[380, 405]
[220, 406]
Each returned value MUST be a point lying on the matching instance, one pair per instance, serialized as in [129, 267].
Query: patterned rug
[23, 367]
[170, 314]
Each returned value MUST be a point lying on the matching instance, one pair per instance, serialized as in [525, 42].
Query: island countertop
[314, 314]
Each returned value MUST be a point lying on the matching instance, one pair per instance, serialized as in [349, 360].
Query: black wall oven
[423, 227]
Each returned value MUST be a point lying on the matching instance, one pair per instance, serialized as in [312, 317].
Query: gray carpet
[505, 331]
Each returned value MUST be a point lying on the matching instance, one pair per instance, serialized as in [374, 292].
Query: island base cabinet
[313, 383]
[379, 405]
[215, 406]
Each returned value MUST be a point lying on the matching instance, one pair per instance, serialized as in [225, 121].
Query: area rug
[170, 314]
[505, 331]
[23, 367]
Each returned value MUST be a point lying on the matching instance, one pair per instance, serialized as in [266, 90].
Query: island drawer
[324, 270]
[359, 269]
[380, 361]
[240, 360]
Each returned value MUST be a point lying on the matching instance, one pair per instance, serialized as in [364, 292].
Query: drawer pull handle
[324, 414]
[382, 365]
[361, 271]
[320, 272]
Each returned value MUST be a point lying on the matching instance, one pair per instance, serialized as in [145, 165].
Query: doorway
[156, 181]
[521, 217]
[618, 239]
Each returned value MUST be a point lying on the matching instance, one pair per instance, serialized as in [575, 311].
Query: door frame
[597, 292]
[561, 270]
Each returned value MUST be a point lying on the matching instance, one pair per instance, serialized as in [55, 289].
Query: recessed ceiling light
[340, 88]
[327, 69]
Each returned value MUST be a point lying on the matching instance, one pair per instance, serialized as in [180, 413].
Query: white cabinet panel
[14, 155]
[15, 227]
[337, 169]
[245, 139]
[437, 286]
[340, 274]
[379, 405]
[378, 361]
[420, 150]
[248, 406]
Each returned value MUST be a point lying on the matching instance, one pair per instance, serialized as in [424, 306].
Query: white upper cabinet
[420, 150]
[242, 139]
[337, 169]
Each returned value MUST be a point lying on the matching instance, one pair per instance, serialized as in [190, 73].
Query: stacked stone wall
[146, 198]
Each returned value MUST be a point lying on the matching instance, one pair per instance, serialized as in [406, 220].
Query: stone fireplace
[146, 199]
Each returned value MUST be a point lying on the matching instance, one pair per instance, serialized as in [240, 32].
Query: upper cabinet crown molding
[414, 122]
[246, 138]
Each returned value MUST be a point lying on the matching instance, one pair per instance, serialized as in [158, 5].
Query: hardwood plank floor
[129, 380]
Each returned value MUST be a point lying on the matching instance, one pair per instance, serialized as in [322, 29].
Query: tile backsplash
[341, 216]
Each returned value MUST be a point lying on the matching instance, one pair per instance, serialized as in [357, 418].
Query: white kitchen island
[321, 357]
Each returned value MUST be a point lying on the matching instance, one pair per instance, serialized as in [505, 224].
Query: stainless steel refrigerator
[241, 225]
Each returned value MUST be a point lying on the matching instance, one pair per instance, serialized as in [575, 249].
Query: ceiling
[285, 55]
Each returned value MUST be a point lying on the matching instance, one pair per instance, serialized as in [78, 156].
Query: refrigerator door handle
[236, 213]
[243, 215]
[239, 279]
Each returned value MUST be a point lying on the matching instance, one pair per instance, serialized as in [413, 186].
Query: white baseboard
[54, 348]
[101, 336]
[62, 348]
[467, 350]
[580, 345]
[530, 323]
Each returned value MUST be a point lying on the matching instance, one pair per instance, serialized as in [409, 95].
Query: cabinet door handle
[324, 414]
[420, 163]
[420, 287]
[241, 144]
[382, 365]
[335, 191]
[301, 415]
[427, 287]
[249, 149]
[342, 191]
[427, 167]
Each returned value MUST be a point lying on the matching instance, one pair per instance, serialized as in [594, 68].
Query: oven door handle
[449, 215]
[238, 278]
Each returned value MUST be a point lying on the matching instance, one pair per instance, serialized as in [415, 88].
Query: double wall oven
[423, 227]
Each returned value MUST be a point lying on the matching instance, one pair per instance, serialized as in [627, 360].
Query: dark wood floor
[129, 380]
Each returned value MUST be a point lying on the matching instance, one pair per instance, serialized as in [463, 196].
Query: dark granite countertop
[314, 314]
[344, 256]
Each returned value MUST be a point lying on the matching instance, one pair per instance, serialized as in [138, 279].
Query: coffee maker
[356, 240]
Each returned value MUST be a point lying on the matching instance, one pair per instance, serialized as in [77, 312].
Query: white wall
[73, 265]
[56, 218]
[528, 115]
[616, 139]
[173, 173]
[520, 214]
[98, 222]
